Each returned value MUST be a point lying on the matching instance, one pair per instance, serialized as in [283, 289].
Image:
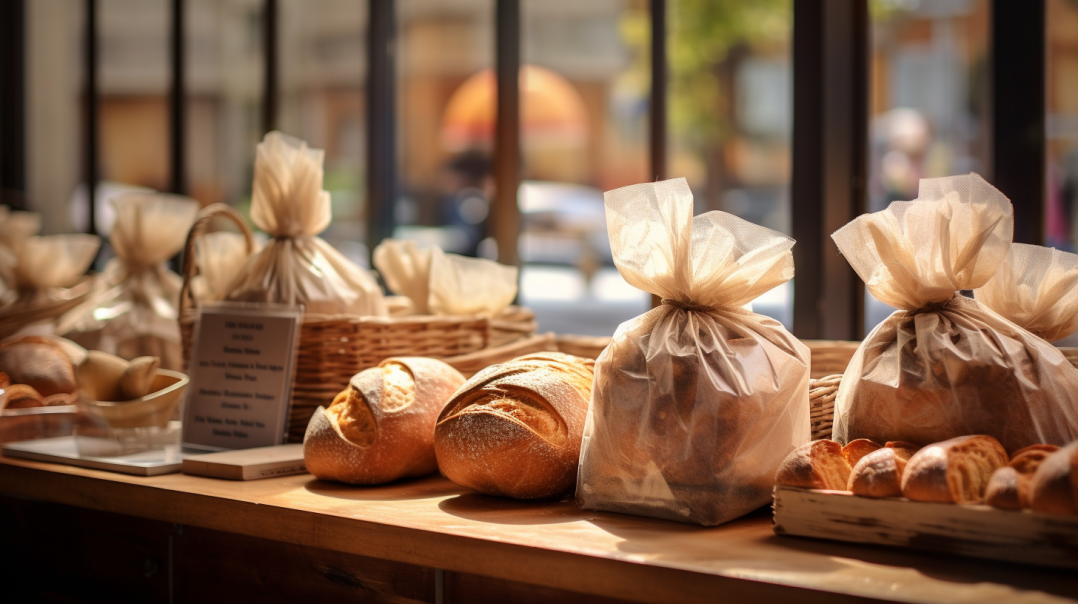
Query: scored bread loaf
[1054, 486]
[381, 427]
[879, 473]
[515, 429]
[819, 464]
[1009, 486]
[953, 471]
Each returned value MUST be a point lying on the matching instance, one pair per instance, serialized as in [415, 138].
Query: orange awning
[552, 111]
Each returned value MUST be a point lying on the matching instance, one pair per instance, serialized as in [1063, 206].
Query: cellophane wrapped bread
[220, 257]
[438, 283]
[296, 266]
[944, 366]
[697, 402]
[40, 273]
[134, 314]
[1035, 288]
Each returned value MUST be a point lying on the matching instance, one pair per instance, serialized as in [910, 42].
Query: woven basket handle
[202, 222]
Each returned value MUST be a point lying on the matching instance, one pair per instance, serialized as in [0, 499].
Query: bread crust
[398, 441]
[856, 449]
[1009, 486]
[815, 465]
[879, 474]
[1053, 489]
[953, 471]
[39, 363]
[515, 429]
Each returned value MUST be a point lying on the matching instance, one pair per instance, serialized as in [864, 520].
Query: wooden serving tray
[977, 531]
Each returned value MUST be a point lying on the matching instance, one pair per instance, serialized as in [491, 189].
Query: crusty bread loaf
[1009, 486]
[953, 471]
[40, 363]
[381, 427]
[856, 449]
[1054, 486]
[515, 429]
[815, 465]
[879, 473]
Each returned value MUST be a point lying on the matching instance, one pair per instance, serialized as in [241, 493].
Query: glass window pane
[585, 89]
[445, 122]
[225, 71]
[928, 101]
[55, 110]
[730, 114]
[322, 73]
[134, 78]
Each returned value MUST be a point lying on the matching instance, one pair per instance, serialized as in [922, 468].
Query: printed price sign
[243, 362]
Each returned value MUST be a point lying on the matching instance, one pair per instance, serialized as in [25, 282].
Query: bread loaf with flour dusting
[514, 429]
[381, 427]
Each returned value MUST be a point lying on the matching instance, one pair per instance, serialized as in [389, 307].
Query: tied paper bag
[296, 266]
[445, 284]
[135, 315]
[45, 267]
[695, 403]
[15, 229]
[1035, 288]
[943, 365]
[220, 257]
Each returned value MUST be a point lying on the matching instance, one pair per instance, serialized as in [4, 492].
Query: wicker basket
[333, 348]
[827, 356]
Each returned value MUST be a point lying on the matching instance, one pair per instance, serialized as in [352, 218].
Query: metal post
[269, 82]
[13, 103]
[91, 142]
[1018, 112]
[657, 113]
[381, 120]
[827, 188]
[507, 150]
[177, 104]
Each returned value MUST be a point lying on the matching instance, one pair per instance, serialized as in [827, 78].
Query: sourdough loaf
[953, 471]
[514, 429]
[381, 427]
[1009, 486]
[879, 473]
[819, 464]
[1054, 486]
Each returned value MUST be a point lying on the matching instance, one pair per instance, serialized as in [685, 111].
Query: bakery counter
[75, 534]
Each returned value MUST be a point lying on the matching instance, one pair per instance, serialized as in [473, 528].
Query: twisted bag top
[297, 267]
[713, 260]
[445, 284]
[150, 228]
[920, 252]
[1037, 289]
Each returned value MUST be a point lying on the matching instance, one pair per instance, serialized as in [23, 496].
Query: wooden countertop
[432, 522]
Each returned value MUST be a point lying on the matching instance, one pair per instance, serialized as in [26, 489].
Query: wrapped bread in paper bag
[220, 257]
[697, 402]
[943, 365]
[445, 284]
[45, 267]
[136, 313]
[1035, 288]
[15, 229]
[296, 266]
